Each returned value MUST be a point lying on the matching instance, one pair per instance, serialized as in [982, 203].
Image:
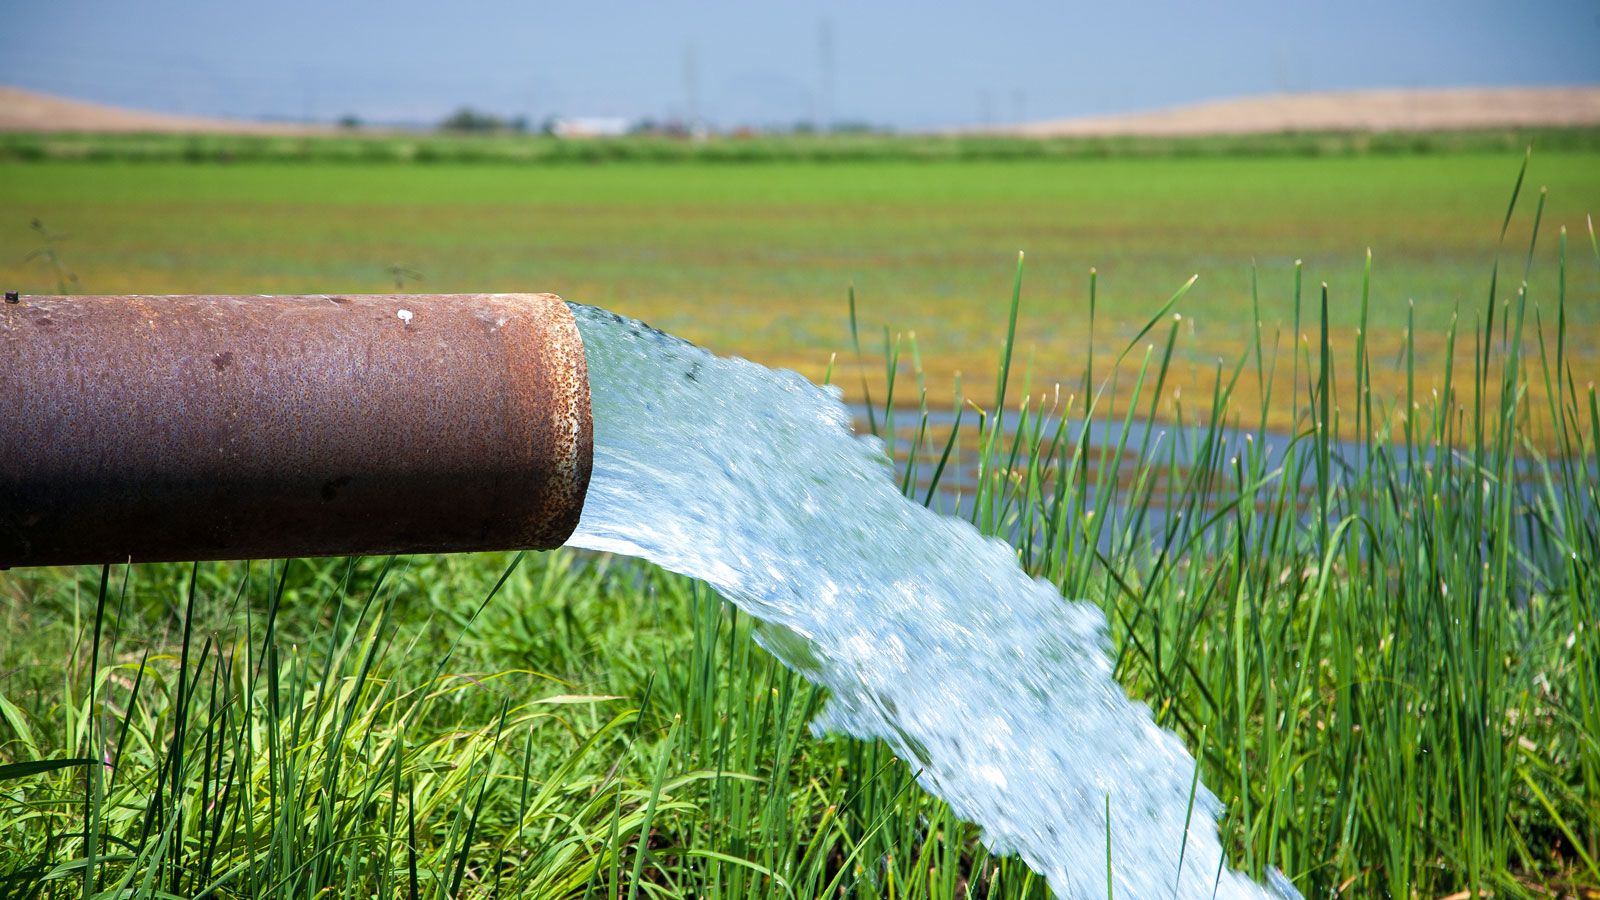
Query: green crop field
[1380, 647]
[755, 260]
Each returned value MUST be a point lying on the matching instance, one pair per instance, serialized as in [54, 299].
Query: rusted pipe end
[232, 427]
[549, 377]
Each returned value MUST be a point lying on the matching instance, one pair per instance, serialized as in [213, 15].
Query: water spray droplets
[927, 634]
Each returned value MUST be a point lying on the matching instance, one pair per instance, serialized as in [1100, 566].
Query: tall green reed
[1377, 631]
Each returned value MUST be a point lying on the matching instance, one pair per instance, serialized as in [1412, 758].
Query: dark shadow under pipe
[252, 427]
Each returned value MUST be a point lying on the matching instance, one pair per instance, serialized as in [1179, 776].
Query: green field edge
[423, 147]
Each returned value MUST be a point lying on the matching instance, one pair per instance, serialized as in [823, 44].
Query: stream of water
[927, 635]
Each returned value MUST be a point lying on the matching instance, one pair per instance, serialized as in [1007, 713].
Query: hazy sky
[906, 63]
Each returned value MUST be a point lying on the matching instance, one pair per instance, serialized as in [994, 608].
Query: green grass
[1389, 675]
[754, 260]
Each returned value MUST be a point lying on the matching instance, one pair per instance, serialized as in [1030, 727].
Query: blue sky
[903, 63]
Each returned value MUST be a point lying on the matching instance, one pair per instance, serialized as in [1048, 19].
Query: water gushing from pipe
[928, 635]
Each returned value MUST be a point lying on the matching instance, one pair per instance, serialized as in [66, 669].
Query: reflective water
[926, 634]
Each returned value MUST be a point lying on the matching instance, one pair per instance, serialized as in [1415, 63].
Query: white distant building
[589, 126]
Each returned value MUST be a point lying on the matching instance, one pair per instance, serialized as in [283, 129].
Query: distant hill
[1435, 109]
[22, 110]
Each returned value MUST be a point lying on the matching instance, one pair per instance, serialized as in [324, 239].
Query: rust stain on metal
[222, 427]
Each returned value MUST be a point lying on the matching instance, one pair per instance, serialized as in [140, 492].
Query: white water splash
[927, 634]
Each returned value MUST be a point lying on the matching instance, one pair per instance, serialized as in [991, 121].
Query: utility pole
[691, 88]
[825, 54]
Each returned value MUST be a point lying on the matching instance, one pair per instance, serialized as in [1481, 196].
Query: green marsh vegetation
[1388, 671]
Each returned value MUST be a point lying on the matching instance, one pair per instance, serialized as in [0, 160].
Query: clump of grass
[1376, 633]
[245, 762]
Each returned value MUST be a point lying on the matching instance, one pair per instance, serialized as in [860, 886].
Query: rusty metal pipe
[254, 427]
